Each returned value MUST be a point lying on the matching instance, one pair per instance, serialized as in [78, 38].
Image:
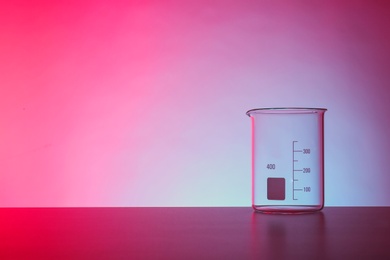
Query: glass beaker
[287, 159]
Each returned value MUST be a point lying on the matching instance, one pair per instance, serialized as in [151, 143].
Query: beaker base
[291, 209]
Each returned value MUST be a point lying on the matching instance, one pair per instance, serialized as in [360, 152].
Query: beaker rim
[286, 110]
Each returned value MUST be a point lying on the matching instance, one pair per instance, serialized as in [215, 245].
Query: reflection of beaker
[301, 236]
[287, 159]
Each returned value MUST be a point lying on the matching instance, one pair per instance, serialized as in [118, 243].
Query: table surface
[193, 233]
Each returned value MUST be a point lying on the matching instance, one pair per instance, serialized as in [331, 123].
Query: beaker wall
[287, 159]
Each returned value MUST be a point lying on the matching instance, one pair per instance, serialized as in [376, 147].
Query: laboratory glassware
[287, 159]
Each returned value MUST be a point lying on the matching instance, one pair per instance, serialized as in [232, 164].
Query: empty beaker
[287, 159]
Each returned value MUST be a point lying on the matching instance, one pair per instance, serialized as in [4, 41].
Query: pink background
[109, 103]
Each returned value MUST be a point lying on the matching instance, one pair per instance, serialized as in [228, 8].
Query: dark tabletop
[193, 233]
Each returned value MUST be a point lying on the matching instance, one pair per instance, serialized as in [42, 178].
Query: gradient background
[143, 103]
